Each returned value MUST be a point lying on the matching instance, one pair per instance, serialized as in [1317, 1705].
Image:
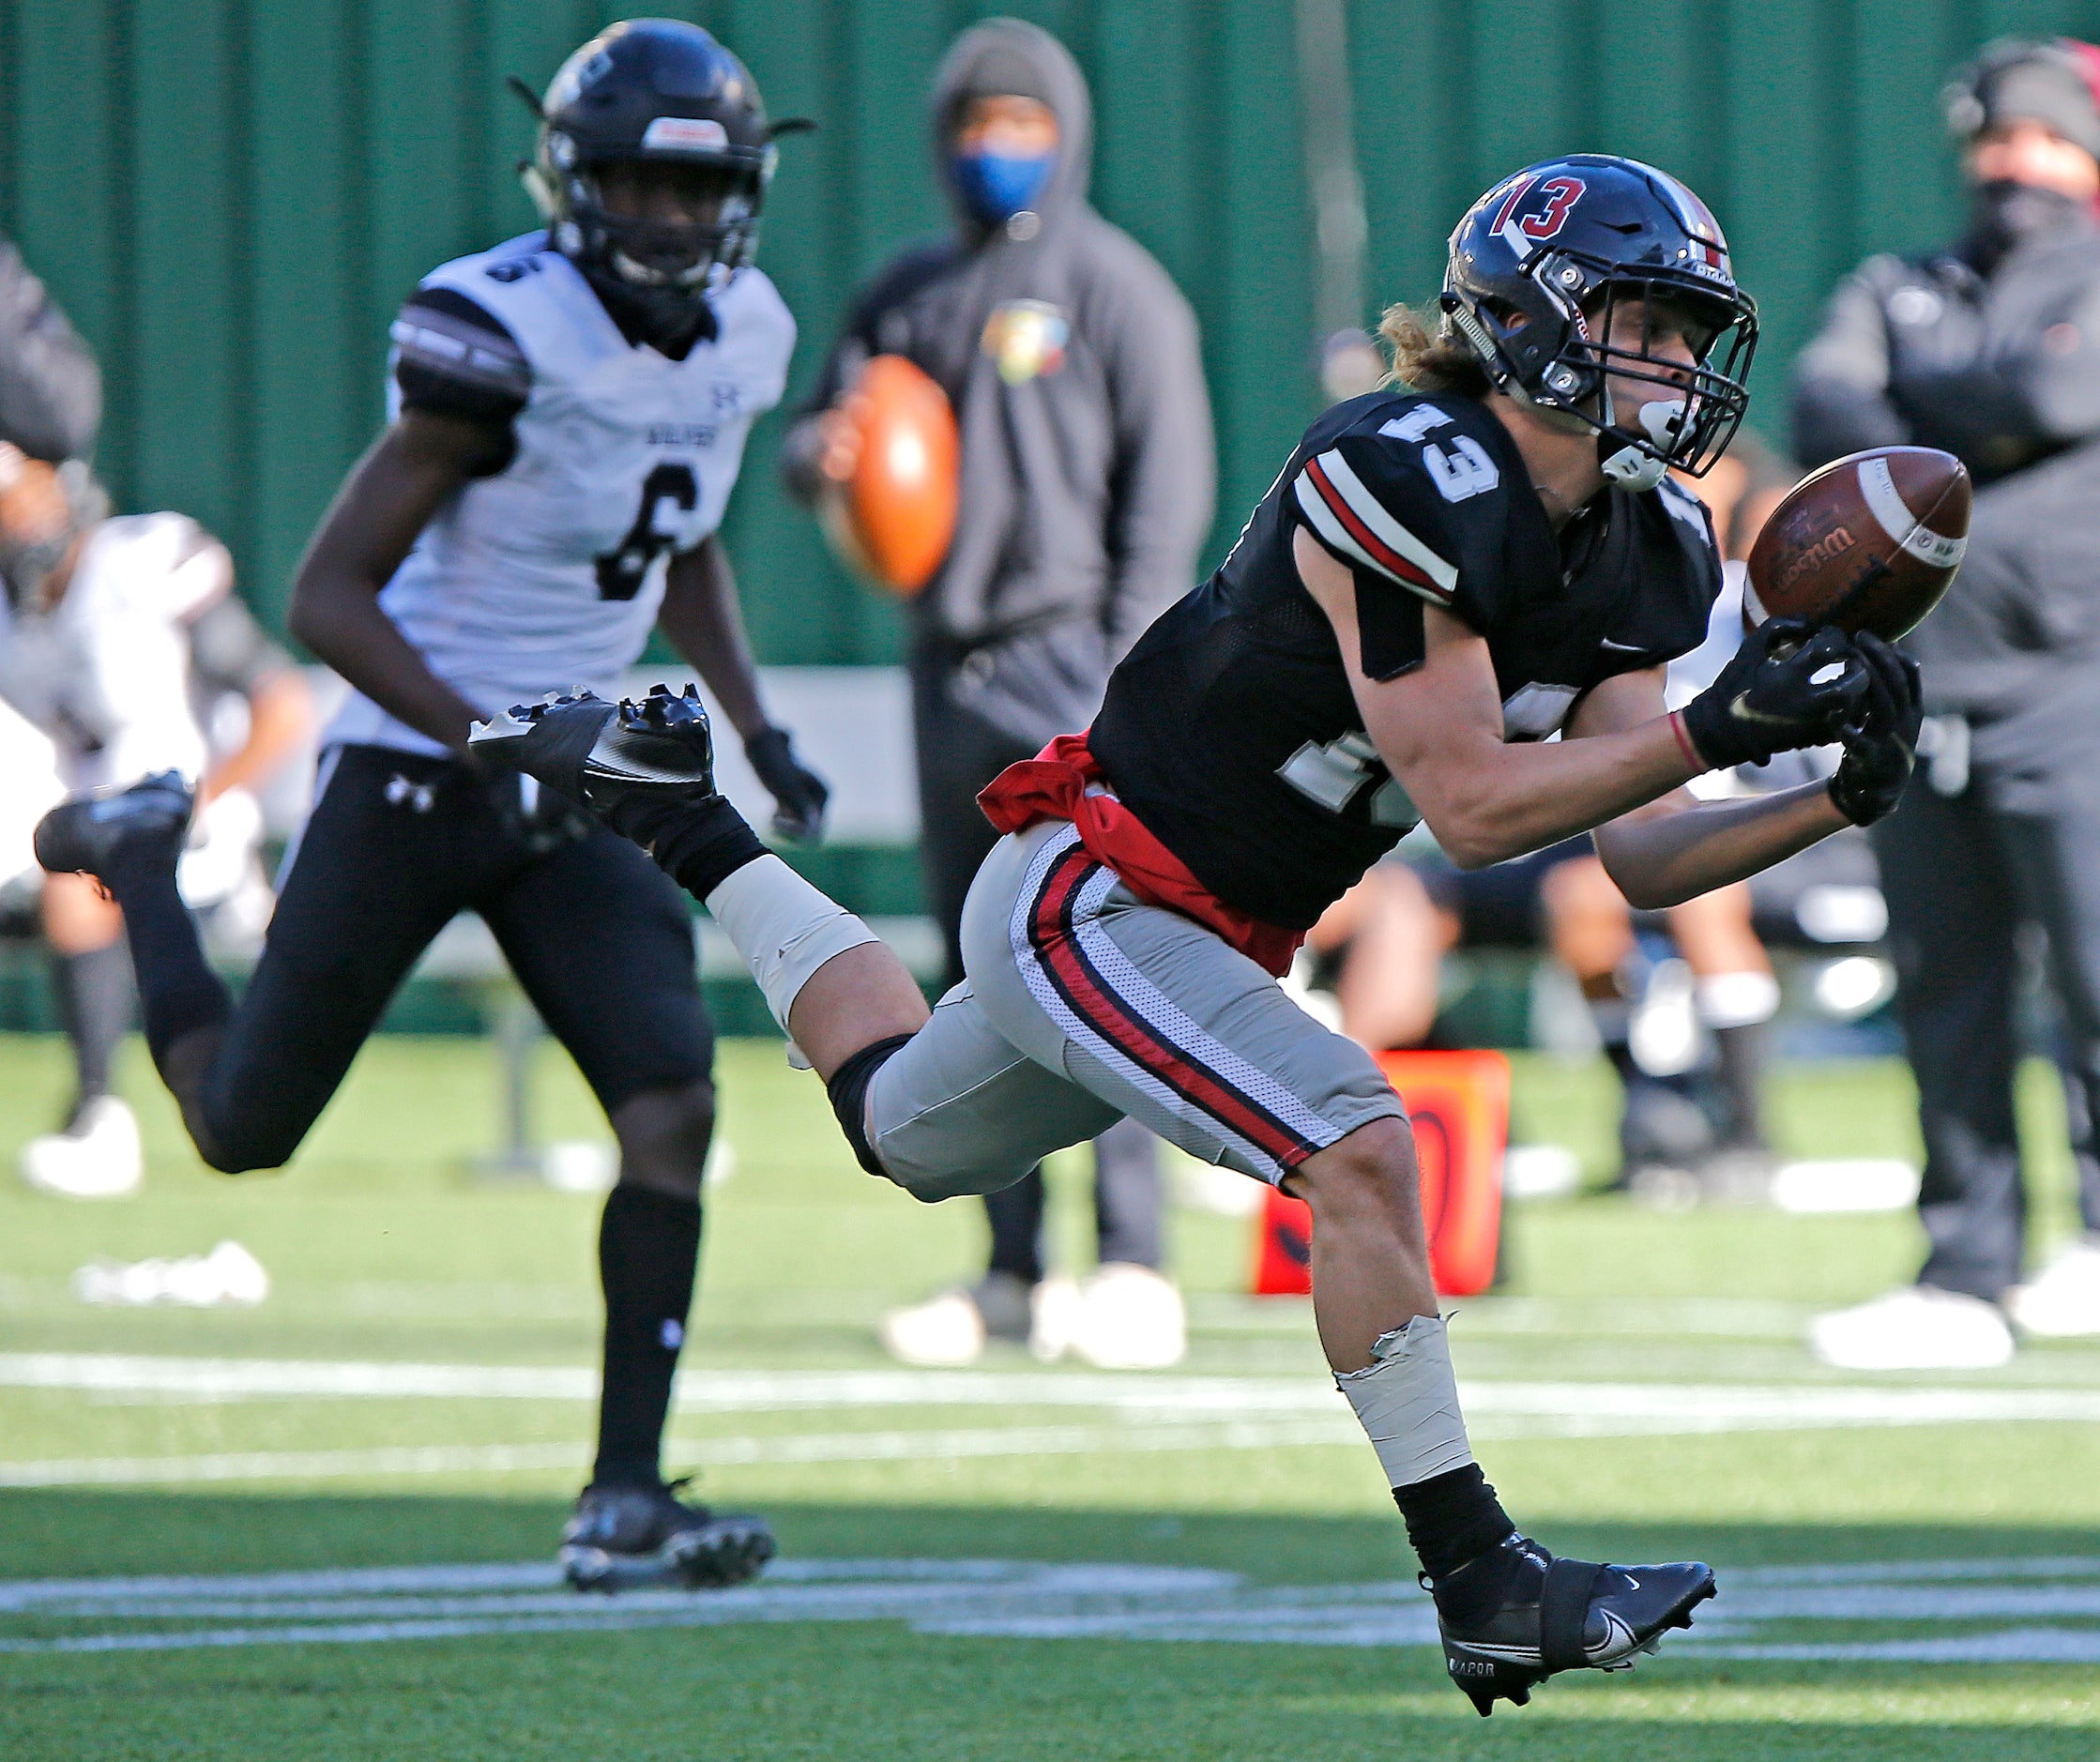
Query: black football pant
[397, 847]
[598, 937]
[958, 754]
[1963, 878]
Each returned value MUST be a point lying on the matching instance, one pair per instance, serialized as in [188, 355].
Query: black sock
[179, 992]
[1452, 1519]
[1740, 1052]
[699, 845]
[93, 992]
[649, 1246]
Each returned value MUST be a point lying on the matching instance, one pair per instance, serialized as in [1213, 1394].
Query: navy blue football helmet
[653, 90]
[1540, 264]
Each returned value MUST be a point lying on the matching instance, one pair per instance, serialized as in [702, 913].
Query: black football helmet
[1539, 267]
[652, 90]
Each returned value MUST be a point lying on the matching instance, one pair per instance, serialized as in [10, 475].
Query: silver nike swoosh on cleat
[1618, 1640]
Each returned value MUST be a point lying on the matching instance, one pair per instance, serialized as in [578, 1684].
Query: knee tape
[1406, 1400]
[848, 1090]
[784, 928]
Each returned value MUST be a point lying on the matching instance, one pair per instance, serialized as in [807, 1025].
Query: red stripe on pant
[1050, 934]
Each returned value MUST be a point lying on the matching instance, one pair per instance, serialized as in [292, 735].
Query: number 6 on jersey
[620, 572]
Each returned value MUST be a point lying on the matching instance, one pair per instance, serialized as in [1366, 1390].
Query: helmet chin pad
[1638, 461]
[1625, 466]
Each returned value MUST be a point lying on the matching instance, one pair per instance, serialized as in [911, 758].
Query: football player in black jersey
[1440, 579]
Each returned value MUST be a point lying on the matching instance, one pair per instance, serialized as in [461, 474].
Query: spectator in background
[117, 637]
[1991, 350]
[1072, 363]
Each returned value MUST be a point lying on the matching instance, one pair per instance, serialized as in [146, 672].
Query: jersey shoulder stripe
[442, 332]
[1345, 513]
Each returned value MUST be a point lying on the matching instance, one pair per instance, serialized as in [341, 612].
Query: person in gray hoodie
[1072, 366]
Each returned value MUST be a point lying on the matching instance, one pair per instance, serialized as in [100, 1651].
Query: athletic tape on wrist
[1406, 1401]
[784, 928]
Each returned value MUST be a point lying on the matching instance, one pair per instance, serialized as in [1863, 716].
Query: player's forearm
[704, 621]
[344, 625]
[1666, 857]
[1487, 801]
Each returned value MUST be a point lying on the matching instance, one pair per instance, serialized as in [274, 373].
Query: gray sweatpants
[1081, 1006]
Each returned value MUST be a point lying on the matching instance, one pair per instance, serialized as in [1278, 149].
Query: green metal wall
[229, 196]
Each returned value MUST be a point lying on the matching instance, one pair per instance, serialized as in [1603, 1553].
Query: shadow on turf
[797, 1691]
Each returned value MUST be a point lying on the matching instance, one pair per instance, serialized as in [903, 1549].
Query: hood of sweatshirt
[1009, 57]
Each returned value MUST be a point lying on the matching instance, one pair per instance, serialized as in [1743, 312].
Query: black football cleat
[1559, 1615]
[600, 754]
[625, 1538]
[81, 836]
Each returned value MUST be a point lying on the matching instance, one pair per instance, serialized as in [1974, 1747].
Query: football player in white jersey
[118, 639]
[570, 412]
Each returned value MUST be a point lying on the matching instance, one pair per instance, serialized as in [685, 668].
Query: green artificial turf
[384, 1248]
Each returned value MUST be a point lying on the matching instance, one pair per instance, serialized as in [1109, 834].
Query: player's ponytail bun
[1423, 362]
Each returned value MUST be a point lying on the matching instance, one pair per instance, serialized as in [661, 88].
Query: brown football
[892, 523]
[1870, 542]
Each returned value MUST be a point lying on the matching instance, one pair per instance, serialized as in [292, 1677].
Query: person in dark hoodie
[1991, 350]
[1087, 482]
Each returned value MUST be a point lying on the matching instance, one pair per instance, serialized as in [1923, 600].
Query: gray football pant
[1082, 1005]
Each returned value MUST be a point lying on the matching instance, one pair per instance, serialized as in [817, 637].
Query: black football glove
[1881, 741]
[798, 793]
[1786, 688]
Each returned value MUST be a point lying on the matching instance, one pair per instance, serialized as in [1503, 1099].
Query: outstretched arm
[1438, 726]
[1677, 847]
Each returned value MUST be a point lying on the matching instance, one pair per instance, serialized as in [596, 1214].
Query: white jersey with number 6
[548, 574]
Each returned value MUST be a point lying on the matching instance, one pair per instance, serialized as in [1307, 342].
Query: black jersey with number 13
[1230, 730]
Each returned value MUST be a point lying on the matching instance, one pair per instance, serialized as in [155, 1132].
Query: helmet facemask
[659, 270]
[1695, 406]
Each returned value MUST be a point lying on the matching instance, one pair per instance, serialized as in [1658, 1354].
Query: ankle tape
[1407, 1399]
[848, 1090]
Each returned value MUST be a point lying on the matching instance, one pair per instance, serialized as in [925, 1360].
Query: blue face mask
[994, 187]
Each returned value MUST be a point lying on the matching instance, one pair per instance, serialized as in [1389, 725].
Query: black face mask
[2004, 215]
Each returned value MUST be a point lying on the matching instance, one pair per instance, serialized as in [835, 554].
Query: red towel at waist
[1052, 786]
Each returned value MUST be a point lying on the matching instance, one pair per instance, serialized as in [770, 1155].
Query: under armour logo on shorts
[417, 797]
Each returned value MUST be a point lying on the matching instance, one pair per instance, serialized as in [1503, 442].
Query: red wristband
[1699, 767]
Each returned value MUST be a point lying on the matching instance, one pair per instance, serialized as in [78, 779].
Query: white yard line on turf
[1570, 1408]
[1495, 1412]
[1020, 1599]
[715, 1452]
